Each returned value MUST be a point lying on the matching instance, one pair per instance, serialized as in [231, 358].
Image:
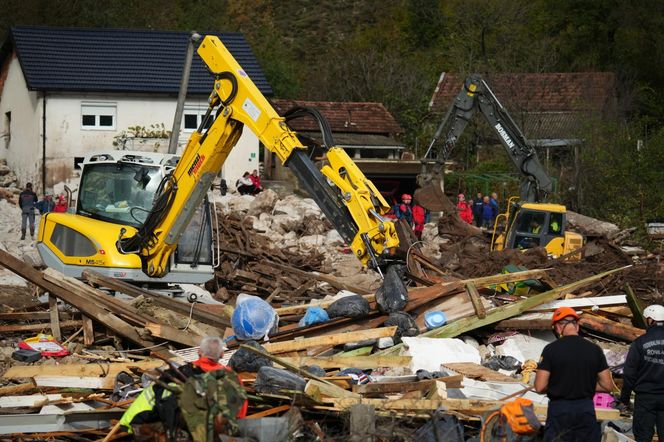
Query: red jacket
[419, 217]
[465, 211]
[207, 364]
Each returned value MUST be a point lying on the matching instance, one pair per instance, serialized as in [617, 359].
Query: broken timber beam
[636, 306]
[336, 339]
[198, 313]
[464, 325]
[607, 327]
[85, 305]
[475, 299]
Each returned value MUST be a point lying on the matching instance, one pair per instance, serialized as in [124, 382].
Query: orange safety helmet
[562, 313]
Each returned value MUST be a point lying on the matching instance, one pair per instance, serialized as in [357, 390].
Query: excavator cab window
[530, 228]
[556, 224]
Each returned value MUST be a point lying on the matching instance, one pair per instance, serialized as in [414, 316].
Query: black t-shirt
[573, 363]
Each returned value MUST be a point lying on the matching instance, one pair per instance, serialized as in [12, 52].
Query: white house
[66, 92]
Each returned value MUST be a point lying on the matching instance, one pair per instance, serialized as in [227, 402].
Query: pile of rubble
[348, 357]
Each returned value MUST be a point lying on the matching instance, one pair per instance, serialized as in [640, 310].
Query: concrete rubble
[283, 251]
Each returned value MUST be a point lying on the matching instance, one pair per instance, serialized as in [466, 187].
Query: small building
[67, 92]
[551, 109]
[368, 132]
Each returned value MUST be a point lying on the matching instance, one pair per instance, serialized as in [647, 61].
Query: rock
[263, 202]
[590, 226]
[332, 238]
[286, 223]
[5, 170]
[239, 203]
[312, 240]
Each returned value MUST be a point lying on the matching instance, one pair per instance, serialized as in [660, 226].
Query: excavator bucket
[432, 197]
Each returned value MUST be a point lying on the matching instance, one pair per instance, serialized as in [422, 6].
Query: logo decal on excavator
[198, 162]
[504, 135]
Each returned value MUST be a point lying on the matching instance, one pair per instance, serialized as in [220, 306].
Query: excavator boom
[347, 198]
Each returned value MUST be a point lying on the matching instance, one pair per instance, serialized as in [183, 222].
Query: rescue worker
[27, 201]
[464, 209]
[404, 210]
[571, 369]
[420, 218]
[478, 204]
[643, 373]
[145, 420]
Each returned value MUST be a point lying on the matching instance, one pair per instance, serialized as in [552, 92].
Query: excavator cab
[117, 191]
[529, 225]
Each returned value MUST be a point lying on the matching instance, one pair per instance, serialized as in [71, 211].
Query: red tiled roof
[537, 92]
[349, 117]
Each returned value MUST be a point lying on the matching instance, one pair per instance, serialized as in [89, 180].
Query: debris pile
[337, 354]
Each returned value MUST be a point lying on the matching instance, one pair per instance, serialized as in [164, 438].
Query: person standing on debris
[478, 203]
[570, 371]
[154, 411]
[494, 204]
[464, 209]
[46, 205]
[643, 373]
[27, 201]
[420, 218]
[487, 213]
[61, 205]
[404, 210]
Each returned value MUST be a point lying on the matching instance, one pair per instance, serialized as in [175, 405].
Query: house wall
[20, 144]
[67, 140]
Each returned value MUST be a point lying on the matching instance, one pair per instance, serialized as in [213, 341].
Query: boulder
[263, 202]
[332, 238]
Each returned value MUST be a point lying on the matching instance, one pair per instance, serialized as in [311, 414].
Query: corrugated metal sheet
[119, 60]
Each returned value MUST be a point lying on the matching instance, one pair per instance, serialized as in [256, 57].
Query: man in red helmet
[405, 210]
[570, 371]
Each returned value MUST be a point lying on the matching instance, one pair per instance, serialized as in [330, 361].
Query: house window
[100, 116]
[192, 118]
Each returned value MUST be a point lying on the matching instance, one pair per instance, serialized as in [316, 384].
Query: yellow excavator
[142, 217]
[527, 221]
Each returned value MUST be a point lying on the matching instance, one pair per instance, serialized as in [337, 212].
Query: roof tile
[119, 60]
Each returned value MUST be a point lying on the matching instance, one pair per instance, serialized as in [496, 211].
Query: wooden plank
[636, 306]
[578, 303]
[54, 317]
[173, 334]
[617, 330]
[16, 389]
[336, 339]
[453, 381]
[80, 370]
[498, 314]
[350, 362]
[362, 423]
[297, 309]
[333, 281]
[476, 371]
[85, 305]
[88, 331]
[475, 299]
[31, 316]
[38, 327]
[317, 389]
[269, 412]
[466, 406]
[527, 321]
[32, 401]
[200, 313]
[75, 382]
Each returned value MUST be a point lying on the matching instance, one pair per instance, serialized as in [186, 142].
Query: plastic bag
[315, 370]
[253, 318]
[392, 296]
[405, 323]
[440, 427]
[314, 315]
[271, 380]
[502, 362]
[245, 360]
[353, 306]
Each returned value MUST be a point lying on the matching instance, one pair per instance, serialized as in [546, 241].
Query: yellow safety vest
[144, 402]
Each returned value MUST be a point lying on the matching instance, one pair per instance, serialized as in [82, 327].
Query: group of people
[572, 369]
[28, 202]
[249, 183]
[415, 215]
[483, 210]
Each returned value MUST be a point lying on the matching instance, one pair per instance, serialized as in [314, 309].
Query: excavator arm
[346, 197]
[477, 96]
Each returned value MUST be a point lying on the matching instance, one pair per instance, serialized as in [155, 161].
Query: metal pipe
[194, 37]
